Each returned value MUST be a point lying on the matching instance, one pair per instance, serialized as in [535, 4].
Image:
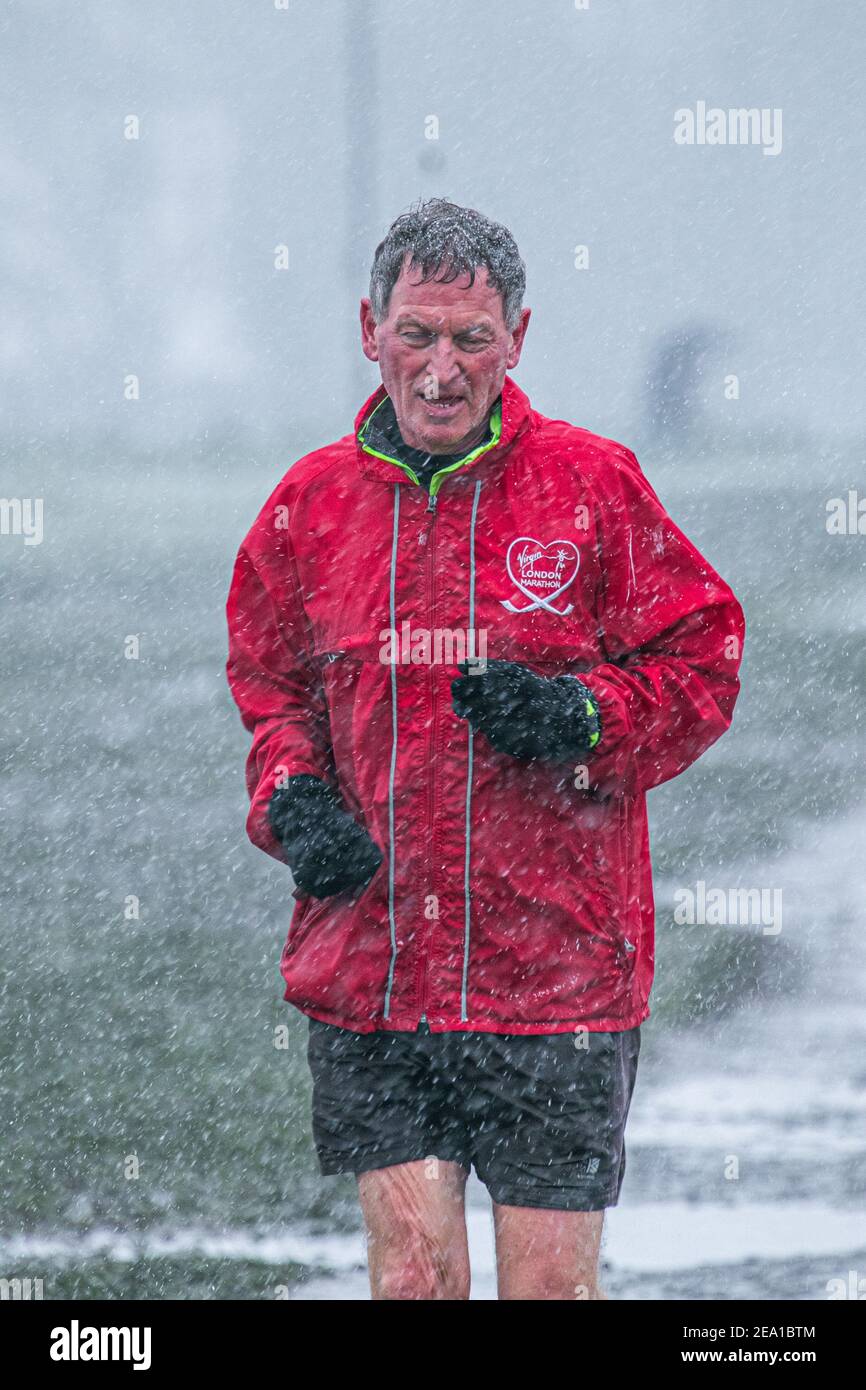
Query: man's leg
[542, 1254]
[415, 1218]
[549, 1144]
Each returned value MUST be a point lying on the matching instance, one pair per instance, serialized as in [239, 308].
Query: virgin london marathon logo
[541, 573]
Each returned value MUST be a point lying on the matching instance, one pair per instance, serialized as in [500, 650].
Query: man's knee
[417, 1266]
[419, 1282]
[413, 1262]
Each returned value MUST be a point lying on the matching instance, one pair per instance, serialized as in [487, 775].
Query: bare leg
[416, 1230]
[545, 1255]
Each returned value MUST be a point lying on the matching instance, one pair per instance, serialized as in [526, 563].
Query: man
[467, 639]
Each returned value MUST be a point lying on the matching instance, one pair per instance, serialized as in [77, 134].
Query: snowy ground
[156, 1142]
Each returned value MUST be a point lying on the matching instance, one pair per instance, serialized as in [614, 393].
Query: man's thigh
[414, 1215]
[545, 1254]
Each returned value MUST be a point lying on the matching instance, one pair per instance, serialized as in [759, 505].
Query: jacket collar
[515, 410]
[382, 437]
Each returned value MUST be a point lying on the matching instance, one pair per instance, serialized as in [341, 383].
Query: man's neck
[423, 462]
[412, 455]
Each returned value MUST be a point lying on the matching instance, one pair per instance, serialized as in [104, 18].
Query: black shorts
[541, 1117]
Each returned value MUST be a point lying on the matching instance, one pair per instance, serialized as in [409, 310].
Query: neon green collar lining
[437, 478]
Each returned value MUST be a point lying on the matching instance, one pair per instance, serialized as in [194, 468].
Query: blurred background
[192, 198]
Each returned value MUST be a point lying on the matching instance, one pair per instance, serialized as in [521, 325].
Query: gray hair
[441, 236]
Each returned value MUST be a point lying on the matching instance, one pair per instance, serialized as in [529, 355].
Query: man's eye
[471, 344]
[415, 335]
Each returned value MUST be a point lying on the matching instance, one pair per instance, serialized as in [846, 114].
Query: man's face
[443, 351]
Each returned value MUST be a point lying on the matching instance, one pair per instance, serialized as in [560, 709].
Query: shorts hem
[331, 1164]
[552, 1201]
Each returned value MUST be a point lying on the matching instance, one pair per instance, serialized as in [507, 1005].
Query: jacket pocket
[357, 687]
[357, 698]
[609, 866]
[307, 911]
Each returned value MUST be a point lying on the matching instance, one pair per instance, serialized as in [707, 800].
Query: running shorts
[541, 1117]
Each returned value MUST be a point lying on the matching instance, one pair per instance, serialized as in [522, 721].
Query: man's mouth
[442, 405]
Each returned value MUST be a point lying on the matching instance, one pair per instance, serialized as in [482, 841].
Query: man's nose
[443, 363]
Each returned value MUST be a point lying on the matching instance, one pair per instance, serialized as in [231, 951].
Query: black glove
[528, 716]
[327, 850]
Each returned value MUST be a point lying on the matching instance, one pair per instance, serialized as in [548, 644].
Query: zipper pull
[431, 517]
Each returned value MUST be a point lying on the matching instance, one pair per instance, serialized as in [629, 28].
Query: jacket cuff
[259, 828]
[585, 711]
[299, 801]
[610, 764]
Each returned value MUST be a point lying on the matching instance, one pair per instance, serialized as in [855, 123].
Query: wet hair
[446, 241]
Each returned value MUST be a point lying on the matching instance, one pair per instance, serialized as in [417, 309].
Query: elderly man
[467, 639]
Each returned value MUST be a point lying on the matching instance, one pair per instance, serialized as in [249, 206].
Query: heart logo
[541, 573]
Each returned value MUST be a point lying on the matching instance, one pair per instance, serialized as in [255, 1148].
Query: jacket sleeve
[672, 633]
[272, 675]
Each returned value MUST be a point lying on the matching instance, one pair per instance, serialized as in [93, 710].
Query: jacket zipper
[431, 793]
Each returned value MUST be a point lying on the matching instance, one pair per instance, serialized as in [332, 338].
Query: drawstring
[467, 915]
[392, 922]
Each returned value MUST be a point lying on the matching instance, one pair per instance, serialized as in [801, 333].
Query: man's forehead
[448, 301]
[445, 316]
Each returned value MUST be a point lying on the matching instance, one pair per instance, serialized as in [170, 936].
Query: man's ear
[517, 336]
[369, 345]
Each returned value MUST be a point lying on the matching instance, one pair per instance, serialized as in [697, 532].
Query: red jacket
[513, 897]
